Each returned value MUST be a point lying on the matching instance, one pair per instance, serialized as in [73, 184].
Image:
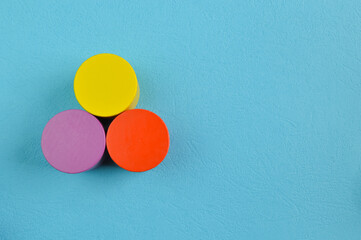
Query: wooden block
[106, 85]
[137, 140]
[73, 141]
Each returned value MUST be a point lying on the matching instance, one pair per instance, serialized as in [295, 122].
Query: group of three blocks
[106, 86]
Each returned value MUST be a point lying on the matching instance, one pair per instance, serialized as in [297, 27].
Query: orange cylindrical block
[137, 140]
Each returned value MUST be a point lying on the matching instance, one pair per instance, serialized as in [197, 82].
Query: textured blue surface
[262, 100]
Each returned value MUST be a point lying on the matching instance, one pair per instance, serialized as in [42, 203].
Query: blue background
[262, 101]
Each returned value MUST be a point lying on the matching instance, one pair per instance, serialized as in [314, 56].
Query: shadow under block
[106, 85]
[73, 141]
[137, 140]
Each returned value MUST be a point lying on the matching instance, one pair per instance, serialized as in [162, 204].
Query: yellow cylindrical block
[106, 85]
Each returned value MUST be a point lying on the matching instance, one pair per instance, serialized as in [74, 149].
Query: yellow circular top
[106, 85]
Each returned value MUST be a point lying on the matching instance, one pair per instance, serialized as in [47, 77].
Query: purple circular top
[73, 141]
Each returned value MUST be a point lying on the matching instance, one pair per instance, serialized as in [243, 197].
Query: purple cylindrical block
[73, 141]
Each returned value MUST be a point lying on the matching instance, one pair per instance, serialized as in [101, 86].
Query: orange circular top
[137, 140]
